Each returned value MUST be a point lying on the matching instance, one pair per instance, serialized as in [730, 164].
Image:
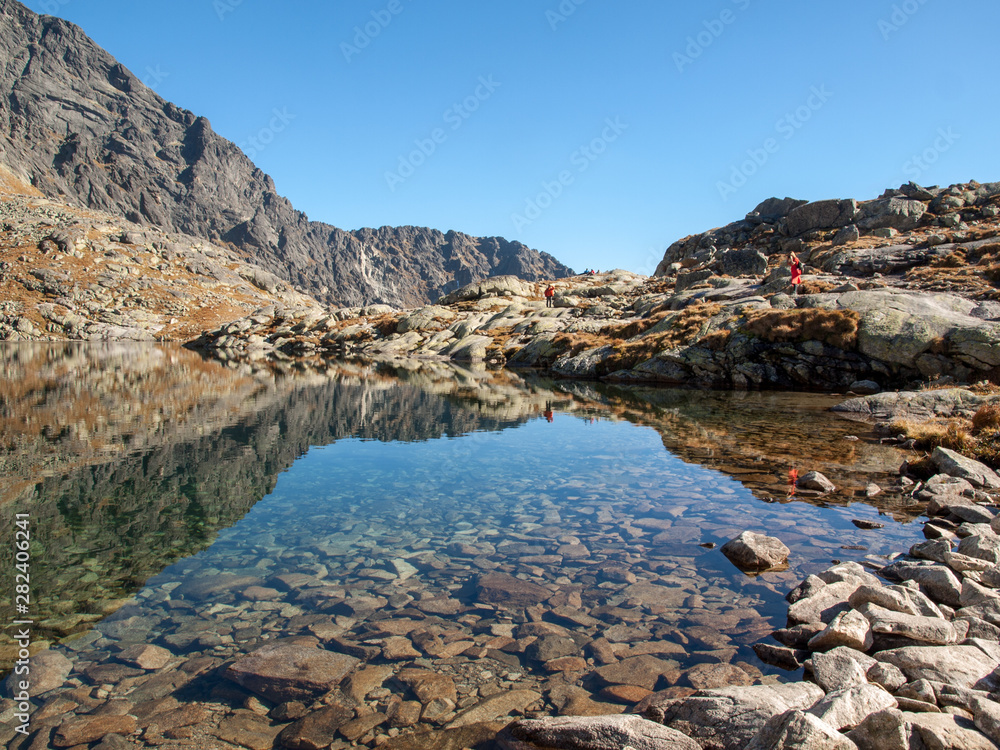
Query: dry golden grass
[986, 418]
[978, 437]
[837, 328]
[685, 329]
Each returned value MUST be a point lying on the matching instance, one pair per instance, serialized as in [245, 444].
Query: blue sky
[594, 130]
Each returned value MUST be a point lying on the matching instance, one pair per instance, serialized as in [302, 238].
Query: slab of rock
[729, 718]
[850, 706]
[823, 606]
[285, 672]
[982, 547]
[206, 587]
[83, 730]
[960, 666]
[883, 730]
[499, 588]
[495, 707]
[936, 581]
[896, 598]
[825, 214]
[931, 630]
[315, 730]
[948, 732]
[987, 717]
[428, 685]
[459, 738]
[146, 656]
[592, 733]
[955, 464]
[643, 671]
[48, 670]
[841, 668]
[752, 552]
[793, 730]
[850, 629]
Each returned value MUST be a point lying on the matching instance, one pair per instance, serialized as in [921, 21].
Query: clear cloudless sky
[599, 131]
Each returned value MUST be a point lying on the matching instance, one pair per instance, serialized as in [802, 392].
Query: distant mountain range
[79, 126]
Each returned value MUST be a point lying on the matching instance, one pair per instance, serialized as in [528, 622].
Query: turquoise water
[343, 504]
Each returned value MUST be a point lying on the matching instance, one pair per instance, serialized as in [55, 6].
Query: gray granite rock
[592, 733]
[752, 552]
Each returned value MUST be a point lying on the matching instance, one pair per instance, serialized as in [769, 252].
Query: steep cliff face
[78, 125]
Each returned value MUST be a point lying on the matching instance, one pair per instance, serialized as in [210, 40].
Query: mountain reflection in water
[131, 457]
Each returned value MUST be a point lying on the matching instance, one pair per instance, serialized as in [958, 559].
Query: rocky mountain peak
[79, 126]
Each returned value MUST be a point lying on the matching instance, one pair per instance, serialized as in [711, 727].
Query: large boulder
[729, 718]
[752, 552]
[282, 672]
[772, 210]
[961, 666]
[500, 588]
[495, 286]
[592, 733]
[828, 214]
[956, 465]
[797, 729]
[897, 213]
[883, 407]
[747, 261]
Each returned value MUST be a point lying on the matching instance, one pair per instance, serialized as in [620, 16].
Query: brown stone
[282, 672]
[644, 671]
[358, 728]
[86, 729]
[399, 648]
[496, 706]
[459, 738]
[427, 685]
[146, 656]
[628, 694]
[566, 664]
[404, 713]
[315, 730]
[707, 676]
[206, 587]
[499, 588]
[247, 729]
[362, 682]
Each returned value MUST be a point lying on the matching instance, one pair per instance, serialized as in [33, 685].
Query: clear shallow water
[353, 505]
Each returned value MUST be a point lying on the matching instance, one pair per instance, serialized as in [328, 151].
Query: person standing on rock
[550, 293]
[796, 266]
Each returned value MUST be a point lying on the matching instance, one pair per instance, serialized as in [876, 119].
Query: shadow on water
[131, 458]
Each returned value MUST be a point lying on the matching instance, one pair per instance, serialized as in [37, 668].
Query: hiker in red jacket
[550, 293]
[796, 267]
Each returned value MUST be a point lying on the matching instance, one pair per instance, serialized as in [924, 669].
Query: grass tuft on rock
[837, 328]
